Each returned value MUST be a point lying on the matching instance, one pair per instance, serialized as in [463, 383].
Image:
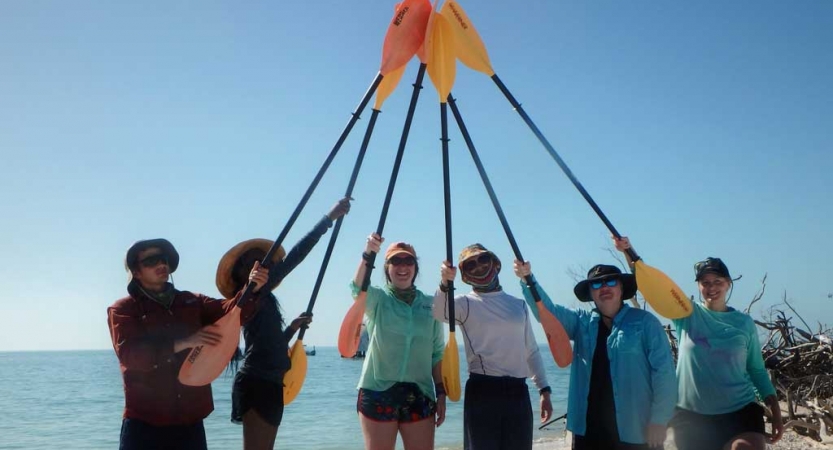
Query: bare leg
[258, 434]
[747, 441]
[378, 435]
[418, 435]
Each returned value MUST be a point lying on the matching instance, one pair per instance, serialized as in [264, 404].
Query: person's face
[152, 269]
[401, 270]
[607, 295]
[478, 266]
[244, 265]
[713, 287]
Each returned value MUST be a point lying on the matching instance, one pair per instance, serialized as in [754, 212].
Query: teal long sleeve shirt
[641, 367]
[406, 342]
[720, 364]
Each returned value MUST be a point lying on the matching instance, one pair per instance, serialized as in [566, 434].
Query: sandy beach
[790, 441]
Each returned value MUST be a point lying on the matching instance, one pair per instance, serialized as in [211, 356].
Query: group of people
[624, 390]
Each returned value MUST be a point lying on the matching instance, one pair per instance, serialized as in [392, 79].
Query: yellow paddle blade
[206, 362]
[661, 292]
[350, 333]
[388, 85]
[405, 34]
[451, 369]
[469, 46]
[441, 57]
[293, 379]
[557, 337]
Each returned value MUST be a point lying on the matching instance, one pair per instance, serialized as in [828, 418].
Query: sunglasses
[402, 260]
[612, 282]
[154, 260]
[482, 259]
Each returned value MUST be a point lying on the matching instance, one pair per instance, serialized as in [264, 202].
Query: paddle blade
[350, 333]
[469, 46]
[293, 379]
[388, 85]
[442, 58]
[451, 369]
[661, 292]
[206, 362]
[405, 34]
[557, 337]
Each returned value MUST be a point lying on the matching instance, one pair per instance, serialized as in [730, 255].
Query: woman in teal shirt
[622, 385]
[720, 371]
[400, 389]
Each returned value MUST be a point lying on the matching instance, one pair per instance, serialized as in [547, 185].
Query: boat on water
[364, 341]
[308, 351]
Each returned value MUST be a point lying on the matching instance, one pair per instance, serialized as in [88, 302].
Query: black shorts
[693, 431]
[264, 396]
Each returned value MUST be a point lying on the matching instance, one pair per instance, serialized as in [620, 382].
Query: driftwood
[800, 364]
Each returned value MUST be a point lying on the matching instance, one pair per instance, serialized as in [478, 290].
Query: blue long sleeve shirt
[641, 367]
[720, 365]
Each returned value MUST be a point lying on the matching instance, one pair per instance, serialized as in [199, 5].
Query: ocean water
[74, 400]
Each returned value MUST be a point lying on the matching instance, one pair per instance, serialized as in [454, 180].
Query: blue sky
[700, 128]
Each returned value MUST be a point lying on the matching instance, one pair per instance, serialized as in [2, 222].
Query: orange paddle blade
[557, 337]
[388, 85]
[350, 333]
[661, 292]
[451, 368]
[293, 379]
[405, 34]
[442, 58]
[206, 362]
[470, 48]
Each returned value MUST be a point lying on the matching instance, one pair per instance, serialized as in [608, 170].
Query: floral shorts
[403, 402]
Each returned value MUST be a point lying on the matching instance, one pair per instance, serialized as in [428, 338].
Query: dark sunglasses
[472, 263]
[612, 282]
[402, 261]
[153, 260]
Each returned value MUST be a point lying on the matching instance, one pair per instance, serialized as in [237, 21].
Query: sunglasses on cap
[610, 282]
[471, 263]
[154, 260]
[402, 260]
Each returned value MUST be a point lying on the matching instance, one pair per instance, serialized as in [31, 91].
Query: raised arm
[373, 245]
[568, 317]
[440, 309]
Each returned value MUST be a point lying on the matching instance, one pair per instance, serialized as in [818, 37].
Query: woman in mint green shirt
[400, 389]
[720, 371]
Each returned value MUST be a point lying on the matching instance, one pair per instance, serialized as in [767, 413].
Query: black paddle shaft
[488, 184]
[334, 237]
[403, 141]
[632, 254]
[449, 295]
[247, 293]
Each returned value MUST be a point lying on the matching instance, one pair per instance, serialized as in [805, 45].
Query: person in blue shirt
[622, 385]
[720, 372]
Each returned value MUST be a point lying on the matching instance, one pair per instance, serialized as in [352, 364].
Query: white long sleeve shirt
[497, 335]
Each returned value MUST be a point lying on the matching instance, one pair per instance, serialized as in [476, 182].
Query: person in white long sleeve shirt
[501, 352]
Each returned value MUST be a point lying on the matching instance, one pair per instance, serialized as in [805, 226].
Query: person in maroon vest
[152, 330]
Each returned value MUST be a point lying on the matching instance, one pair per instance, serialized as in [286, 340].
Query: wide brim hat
[472, 251]
[603, 272]
[224, 281]
[131, 259]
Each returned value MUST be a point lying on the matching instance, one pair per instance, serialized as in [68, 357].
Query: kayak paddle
[442, 71]
[659, 290]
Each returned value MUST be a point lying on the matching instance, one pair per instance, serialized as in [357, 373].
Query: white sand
[790, 441]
